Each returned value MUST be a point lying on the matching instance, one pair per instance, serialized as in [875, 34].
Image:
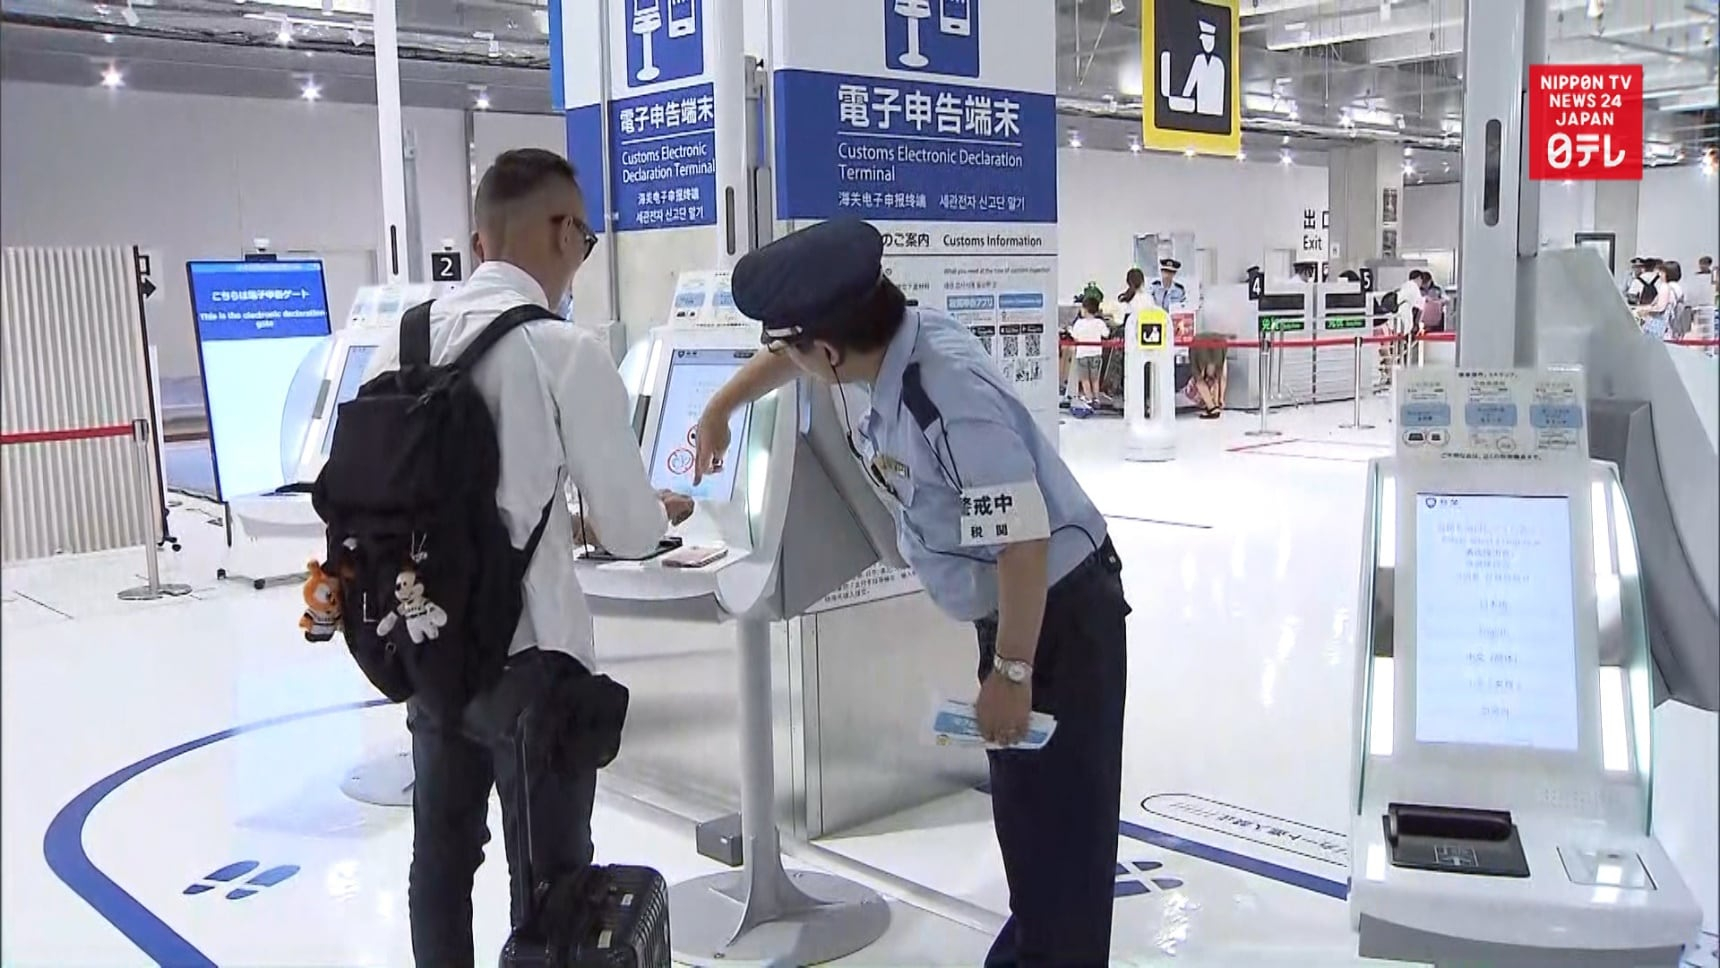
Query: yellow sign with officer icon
[1151, 326]
[1190, 81]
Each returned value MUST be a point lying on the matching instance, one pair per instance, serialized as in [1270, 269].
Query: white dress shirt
[561, 412]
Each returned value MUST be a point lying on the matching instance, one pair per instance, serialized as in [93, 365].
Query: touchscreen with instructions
[351, 378]
[1495, 625]
[694, 375]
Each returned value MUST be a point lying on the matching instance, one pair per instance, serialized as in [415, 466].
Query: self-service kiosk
[1501, 773]
[1287, 376]
[1149, 385]
[822, 715]
[1343, 315]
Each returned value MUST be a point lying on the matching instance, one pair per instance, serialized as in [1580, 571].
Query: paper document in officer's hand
[956, 724]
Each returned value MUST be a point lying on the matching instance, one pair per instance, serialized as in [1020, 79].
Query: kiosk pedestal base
[383, 782]
[803, 918]
[762, 914]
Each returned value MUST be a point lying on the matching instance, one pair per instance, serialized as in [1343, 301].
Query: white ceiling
[1314, 71]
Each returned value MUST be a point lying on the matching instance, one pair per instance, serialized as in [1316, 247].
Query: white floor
[147, 747]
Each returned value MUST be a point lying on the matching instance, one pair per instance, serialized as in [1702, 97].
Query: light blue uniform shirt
[1167, 299]
[987, 444]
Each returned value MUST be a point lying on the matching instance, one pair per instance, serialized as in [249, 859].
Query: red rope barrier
[60, 436]
[1254, 344]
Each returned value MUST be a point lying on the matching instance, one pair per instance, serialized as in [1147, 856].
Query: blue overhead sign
[665, 40]
[934, 36]
[664, 162]
[886, 149]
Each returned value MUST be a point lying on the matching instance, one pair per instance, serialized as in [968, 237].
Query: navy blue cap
[1171, 264]
[809, 281]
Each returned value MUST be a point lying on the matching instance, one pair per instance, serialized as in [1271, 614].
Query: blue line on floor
[1241, 862]
[63, 848]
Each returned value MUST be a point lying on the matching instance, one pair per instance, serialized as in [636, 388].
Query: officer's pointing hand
[710, 443]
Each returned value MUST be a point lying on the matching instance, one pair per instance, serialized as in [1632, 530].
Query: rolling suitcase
[601, 917]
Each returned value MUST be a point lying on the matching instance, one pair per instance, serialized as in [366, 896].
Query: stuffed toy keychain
[322, 604]
[424, 618]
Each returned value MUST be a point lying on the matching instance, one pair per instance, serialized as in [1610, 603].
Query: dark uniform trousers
[456, 763]
[1056, 809]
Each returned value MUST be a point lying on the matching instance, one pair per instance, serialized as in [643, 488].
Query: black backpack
[430, 581]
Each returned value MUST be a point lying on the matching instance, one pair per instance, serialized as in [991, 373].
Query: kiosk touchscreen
[694, 374]
[1502, 766]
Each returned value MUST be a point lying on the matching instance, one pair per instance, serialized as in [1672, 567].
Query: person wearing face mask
[1000, 534]
[561, 413]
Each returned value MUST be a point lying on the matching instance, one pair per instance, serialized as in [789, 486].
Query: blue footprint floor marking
[238, 869]
[1135, 878]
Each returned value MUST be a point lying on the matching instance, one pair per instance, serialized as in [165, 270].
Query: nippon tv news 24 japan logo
[1585, 122]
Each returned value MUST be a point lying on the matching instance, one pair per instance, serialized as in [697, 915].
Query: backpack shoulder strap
[415, 336]
[499, 327]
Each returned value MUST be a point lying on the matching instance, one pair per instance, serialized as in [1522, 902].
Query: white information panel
[1496, 644]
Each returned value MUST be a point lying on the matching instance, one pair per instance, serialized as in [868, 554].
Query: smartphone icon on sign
[683, 18]
[957, 18]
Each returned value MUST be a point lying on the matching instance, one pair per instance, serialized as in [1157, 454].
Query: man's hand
[678, 507]
[1002, 709]
[711, 442]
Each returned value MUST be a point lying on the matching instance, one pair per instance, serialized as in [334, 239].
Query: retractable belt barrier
[140, 432]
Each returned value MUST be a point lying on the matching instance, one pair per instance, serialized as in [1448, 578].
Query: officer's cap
[809, 282]
[1171, 264]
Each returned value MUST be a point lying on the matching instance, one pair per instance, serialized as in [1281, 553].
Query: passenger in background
[1432, 306]
[1654, 301]
[1677, 305]
[1089, 327]
[1129, 299]
[1633, 282]
[1207, 383]
[1408, 311]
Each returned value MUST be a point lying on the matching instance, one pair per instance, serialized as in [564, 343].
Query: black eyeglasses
[584, 230]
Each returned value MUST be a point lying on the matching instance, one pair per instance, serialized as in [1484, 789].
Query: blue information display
[935, 36]
[665, 159]
[885, 149]
[665, 41]
[258, 323]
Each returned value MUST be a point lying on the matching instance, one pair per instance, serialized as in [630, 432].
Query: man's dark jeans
[455, 765]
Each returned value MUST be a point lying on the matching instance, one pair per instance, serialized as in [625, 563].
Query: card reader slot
[1448, 823]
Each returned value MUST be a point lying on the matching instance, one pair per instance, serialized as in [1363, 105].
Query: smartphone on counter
[694, 556]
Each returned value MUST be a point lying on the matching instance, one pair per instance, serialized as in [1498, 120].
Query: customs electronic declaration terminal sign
[1189, 58]
[937, 120]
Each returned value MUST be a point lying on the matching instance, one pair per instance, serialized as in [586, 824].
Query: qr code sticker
[1035, 344]
[1011, 345]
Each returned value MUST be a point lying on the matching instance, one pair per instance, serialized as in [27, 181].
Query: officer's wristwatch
[1013, 670]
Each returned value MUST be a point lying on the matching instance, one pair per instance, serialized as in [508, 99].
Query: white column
[729, 82]
[1501, 207]
[389, 140]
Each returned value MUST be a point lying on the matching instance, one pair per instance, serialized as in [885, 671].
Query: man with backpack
[452, 537]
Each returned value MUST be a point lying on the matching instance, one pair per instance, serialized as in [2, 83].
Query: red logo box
[1585, 122]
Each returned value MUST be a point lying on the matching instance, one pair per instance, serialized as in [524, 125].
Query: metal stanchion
[144, 463]
[1356, 415]
[1265, 383]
